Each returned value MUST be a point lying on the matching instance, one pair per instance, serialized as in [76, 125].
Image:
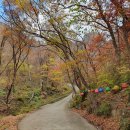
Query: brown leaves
[10, 122]
[118, 102]
[105, 123]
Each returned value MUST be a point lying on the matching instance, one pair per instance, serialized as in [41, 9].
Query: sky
[1, 10]
[1, 7]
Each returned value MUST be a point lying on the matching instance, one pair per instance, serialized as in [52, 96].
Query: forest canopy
[84, 43]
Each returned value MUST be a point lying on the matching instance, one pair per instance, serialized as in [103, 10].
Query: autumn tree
[105, 16]
[20, 47]
[52, 29]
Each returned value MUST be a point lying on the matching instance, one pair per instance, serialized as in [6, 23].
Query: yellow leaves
[81, 53]
[51, 20]
[62, 66]
[44, 67]
[55, 72]
[42, 0]
[123, 70]
[52, 61]
[60, 18]
[55, 75]
[57, 19]
[21, 3]
[70, 63]
[3, 81]
[25, 5]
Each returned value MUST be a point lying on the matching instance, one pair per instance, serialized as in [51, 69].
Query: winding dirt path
[55, 116]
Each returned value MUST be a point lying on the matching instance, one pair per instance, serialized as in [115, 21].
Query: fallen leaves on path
[104, 123]
[9, 122]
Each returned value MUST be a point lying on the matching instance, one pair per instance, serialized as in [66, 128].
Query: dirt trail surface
[55, 116]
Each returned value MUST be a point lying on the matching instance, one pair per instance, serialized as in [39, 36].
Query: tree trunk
[115, 45]
[125, 37]
[9, 93]
[129, 97]
[1, 48]
[72, 83]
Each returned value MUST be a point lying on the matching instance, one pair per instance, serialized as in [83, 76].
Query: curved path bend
[55, 116]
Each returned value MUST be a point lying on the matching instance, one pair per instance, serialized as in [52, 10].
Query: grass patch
[24, 106]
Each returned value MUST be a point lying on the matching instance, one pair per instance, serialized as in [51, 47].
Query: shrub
[125, 124]
[76, 101]
[104, 109]
[89, 108]
[87, 104]
[124, 73]
[2, 92]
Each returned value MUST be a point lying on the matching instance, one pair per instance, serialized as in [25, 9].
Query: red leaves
[98, 38]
